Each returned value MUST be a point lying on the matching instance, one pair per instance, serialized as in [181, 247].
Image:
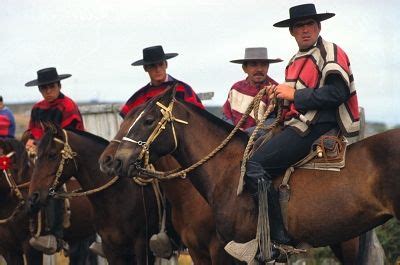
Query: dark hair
[1, 98]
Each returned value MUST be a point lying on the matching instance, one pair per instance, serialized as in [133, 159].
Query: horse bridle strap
[14, 187]
[167, 117]
[10, 180]
[66, 153]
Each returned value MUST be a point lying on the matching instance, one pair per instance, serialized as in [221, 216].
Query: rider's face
[256, 71]
[305, 32]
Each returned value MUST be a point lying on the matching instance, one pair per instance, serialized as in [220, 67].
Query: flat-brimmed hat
[256, 54]
[47, 76]
[154, 54]
[301, 12]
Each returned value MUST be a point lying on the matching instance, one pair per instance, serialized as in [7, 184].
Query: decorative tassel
[263, 231]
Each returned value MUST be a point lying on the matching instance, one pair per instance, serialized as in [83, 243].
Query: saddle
[327, 153]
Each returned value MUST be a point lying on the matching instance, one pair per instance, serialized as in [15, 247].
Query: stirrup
[46, 244]
[243, 251]
[97, 248]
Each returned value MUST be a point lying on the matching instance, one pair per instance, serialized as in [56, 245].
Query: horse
[76, 238]
[191, 215]
[126, 214]
[14, 233]
[325, 207]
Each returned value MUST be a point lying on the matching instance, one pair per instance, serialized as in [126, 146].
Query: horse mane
[16, 145]
[215, 120]
[47, 139]
[93, 137]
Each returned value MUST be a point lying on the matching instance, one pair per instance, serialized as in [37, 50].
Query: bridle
[167, 117]
[5, 165]
[68, 154]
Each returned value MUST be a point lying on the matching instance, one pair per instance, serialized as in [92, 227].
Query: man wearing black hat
[318, 96]
[255, 64]
[63, 111]
[154, 62]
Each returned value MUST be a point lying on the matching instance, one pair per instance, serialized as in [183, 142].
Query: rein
[66, 154]
[5, 162]
[182, 174]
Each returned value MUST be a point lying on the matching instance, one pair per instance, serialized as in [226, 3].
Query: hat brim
[37, 83]
[143, 62]
[241, 61]
[288, 22]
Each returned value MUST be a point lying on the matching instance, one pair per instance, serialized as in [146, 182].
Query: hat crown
[302, 10]
[257, 53]
[153, 54]
[47, 74]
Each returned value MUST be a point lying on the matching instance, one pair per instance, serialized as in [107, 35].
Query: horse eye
[52, 156]
[149, 120]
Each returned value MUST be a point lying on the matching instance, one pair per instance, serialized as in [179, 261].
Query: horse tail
[370, 250]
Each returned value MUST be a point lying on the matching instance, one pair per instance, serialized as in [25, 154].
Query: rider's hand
[282, 91]
[30, 145]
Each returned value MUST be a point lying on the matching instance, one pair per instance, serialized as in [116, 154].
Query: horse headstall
[167, 117]
[66, 154]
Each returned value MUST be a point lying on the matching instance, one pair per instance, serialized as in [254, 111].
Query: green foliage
[389, 236]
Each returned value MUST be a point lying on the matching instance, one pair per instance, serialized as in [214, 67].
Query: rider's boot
[254, 173]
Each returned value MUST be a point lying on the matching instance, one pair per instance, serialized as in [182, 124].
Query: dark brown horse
[16, 232]
[191, 215]
[125, 213]
[325, 207]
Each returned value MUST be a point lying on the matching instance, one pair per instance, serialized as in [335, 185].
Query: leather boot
[277, 227]
[254, 173]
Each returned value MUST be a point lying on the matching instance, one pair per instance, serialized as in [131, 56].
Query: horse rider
[318, 95]
[7, 121]
[63, 111]
[255, 64]
[155, 64]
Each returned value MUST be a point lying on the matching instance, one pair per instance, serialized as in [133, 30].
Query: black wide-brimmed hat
[154, 54]
[256, 54]
[301, 12]
[47, 76]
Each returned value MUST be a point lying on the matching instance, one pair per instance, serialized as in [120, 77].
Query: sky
[97, 40]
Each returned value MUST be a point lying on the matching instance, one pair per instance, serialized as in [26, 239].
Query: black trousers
[286, 148]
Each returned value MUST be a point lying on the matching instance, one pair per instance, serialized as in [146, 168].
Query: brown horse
[14, 234]
[325, 207]
[191, 216]
[125, 213]
[17, 230]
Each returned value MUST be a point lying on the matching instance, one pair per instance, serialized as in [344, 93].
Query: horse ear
[170, 92]
[49, 126]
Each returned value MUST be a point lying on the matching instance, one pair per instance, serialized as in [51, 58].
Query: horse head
[106, 160]
[149, 133]
[54, 165]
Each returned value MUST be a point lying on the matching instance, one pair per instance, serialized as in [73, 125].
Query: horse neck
[220, 171]
[88, 152]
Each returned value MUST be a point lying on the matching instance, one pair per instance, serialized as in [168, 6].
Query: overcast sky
[96, 41]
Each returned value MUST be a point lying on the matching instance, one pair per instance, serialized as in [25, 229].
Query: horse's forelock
[46, 141]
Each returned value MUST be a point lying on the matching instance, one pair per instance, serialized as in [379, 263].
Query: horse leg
[13, 258]
[347, 252]
[32, 255]
[79, 253]
[218, 254]
[199, 258]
